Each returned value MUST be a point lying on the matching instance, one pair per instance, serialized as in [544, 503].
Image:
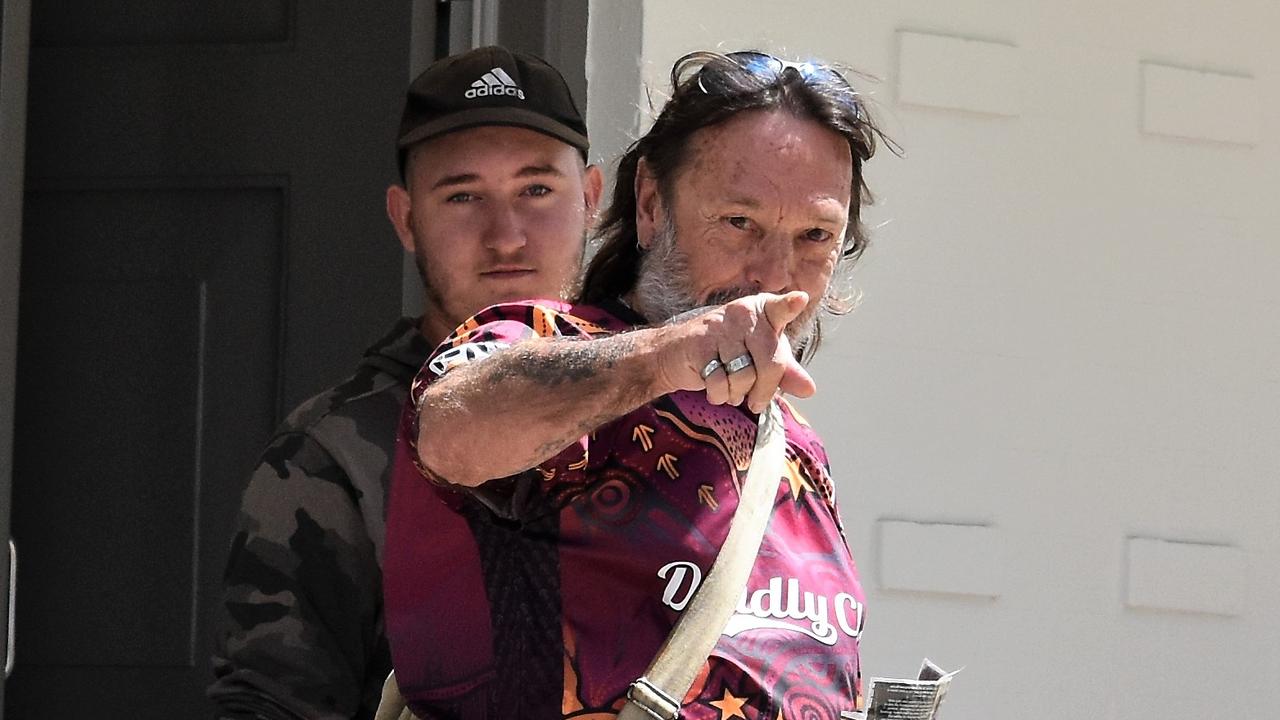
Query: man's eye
[817, 235]
[537, 190]
[738, 222]
[462, 197]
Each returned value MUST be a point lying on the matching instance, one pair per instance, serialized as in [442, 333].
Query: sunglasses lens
[758, 62]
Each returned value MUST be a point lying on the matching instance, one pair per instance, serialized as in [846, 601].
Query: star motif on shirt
[730, 706]
[796, 479]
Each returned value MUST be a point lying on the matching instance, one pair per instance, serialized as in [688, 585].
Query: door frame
[15, 39]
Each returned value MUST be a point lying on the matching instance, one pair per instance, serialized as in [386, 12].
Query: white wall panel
[1186, 577]
[958, 73]
[940, 558]
[1199, 105]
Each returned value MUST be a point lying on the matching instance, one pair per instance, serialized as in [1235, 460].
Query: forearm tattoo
[580, 368]
[561, 361]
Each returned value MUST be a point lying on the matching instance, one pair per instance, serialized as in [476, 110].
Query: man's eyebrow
[451, 180]
[535, 170]
[742, 201]
[828, 211]
[524, 172]
[818, 214]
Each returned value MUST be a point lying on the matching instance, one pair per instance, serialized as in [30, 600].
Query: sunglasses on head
[764, 65]
[756, 61]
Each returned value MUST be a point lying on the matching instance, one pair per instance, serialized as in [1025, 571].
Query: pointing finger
[782, 309]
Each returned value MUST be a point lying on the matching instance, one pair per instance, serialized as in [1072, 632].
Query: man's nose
[769, 268]
[504, 232]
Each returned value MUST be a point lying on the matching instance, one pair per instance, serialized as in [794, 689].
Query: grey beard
[664, 290]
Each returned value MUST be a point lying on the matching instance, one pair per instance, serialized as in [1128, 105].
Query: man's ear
[399, 211]
[592, 189]
[649, 212]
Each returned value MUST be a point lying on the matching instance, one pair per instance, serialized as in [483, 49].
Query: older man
[569, 472]
[494, 207]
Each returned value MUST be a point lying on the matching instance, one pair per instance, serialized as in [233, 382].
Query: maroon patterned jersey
[546, 594]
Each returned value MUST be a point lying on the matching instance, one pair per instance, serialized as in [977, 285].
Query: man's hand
[752, 327]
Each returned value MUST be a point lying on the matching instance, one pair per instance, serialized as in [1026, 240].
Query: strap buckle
[653, 700]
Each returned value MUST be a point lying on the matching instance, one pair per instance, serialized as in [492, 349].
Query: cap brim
[508, 116]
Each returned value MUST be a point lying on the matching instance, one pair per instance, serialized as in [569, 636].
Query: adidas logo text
[494, 82]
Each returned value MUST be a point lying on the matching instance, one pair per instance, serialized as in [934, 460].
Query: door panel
[71, 23]
[116, 510]
[103, 535]
[147, 362]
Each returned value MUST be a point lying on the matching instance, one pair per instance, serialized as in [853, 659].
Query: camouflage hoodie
[301, 633]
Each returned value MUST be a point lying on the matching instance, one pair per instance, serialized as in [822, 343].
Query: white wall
[1070, 336]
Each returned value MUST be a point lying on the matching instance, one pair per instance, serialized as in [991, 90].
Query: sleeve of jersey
[492, 331]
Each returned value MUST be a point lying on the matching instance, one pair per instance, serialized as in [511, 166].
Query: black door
[204, 246]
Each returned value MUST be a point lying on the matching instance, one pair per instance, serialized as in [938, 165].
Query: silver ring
[710, 367]
[742, 362]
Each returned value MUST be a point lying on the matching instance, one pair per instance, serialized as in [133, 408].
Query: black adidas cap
[490, 86]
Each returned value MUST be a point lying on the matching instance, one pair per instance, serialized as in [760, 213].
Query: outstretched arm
[516, 409]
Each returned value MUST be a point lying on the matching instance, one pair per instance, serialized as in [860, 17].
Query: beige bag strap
[393, 706]
[659, 692]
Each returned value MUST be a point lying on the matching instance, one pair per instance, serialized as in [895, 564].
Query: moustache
[728, 295]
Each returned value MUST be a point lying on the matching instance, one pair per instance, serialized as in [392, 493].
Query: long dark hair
[709, 88]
